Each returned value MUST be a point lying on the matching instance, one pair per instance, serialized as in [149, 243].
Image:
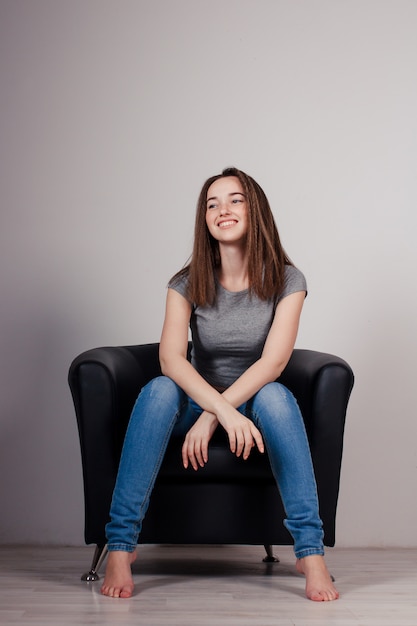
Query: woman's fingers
[243, 436]
[194, 451]
[184, 454]
[259, 442]
[243, 439]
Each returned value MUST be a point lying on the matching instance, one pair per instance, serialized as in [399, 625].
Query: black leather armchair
[229, 501]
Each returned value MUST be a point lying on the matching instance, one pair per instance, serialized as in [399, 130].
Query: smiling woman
[242, 298]
[265, 259]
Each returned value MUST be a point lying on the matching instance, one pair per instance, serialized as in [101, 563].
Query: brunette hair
[266, 256]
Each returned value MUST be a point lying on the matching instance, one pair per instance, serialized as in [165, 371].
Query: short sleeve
[179, 283]
[294, 281]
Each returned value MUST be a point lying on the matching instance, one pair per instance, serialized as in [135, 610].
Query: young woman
[242, 298]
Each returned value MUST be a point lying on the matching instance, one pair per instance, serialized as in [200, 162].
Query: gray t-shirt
[229, 336]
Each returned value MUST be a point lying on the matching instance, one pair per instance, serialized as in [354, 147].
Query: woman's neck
[233, 270]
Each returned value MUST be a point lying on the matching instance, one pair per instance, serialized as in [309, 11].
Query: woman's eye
[237, 200]
[211, 206]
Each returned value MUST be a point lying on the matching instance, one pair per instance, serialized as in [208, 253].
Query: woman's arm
[173, 354]
[277, 351]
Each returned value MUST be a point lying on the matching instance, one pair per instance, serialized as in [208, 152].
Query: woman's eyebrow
[233, 193]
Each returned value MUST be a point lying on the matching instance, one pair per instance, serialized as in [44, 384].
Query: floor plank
[208, 586]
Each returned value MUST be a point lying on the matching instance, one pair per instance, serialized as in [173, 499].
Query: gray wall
[113, 113]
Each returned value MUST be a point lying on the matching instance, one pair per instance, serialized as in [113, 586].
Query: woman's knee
[274, 402]
[162, 388]
[160, 383]
[274, 394]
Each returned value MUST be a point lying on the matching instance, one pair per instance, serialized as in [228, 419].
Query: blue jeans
[162, 409]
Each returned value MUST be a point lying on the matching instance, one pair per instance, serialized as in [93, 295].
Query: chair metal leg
[270, 558]
[100, 554]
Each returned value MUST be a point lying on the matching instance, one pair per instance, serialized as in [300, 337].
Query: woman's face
[227, 211]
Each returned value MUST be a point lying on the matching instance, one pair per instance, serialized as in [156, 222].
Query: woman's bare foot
[319, 585]
[118, 581]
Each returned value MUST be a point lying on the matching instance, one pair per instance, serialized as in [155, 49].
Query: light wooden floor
[207, 586]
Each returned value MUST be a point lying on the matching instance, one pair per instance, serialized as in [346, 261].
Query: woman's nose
[224, 209]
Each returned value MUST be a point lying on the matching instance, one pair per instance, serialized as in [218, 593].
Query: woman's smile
[226, 223]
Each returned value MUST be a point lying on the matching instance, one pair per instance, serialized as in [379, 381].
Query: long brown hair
[265, 254]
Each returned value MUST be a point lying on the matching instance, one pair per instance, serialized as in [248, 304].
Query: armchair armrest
[104, 383]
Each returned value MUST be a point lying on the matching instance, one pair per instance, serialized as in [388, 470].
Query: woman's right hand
[195, 446]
